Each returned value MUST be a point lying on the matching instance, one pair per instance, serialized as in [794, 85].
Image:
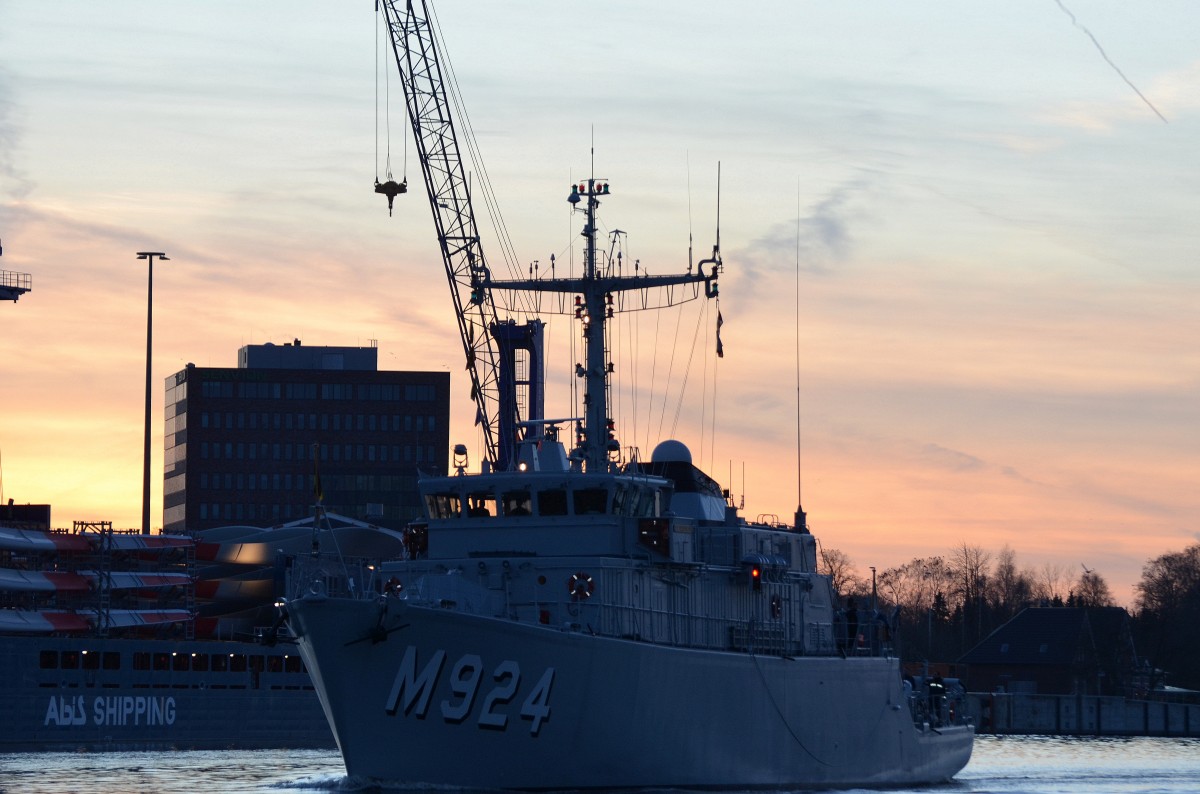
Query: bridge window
[517, 503]
[444, 505]
[628, 500]
[645, 503]
[481, 505]
[552, 502]
[591, 501]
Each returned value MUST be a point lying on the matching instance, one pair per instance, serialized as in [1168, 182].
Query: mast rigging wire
[522, 299]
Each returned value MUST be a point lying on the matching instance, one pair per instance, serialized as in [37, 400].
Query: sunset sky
[993, 211]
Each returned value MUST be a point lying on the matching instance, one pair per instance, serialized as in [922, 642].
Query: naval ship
[575, 617]
[114, 640]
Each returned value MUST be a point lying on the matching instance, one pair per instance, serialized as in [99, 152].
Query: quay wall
[1080, 715]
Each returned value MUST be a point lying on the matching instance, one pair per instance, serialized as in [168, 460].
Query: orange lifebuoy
[581, 586]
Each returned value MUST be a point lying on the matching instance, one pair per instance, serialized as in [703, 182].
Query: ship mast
[598, 297]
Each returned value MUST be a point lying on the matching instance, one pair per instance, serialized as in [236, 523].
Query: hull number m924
[412, 691]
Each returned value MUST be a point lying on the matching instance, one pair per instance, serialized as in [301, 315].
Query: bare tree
[1010, 589]
[1168, 605]
[837, 565]
[1091, 590]
[970, 566]
[1052, 582]
[915, 584]
[1168, 581]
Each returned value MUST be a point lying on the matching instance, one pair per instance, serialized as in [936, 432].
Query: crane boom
[429, 112]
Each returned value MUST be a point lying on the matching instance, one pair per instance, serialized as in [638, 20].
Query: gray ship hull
[426, 695]
[69, 694]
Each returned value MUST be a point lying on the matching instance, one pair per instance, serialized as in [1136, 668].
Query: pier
[1080, 715]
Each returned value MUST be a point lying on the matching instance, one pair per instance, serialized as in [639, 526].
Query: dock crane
[490, 345]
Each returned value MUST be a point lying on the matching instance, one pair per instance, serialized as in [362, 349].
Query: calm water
[1012, 765]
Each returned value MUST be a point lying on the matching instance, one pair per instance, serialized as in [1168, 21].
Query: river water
[1000, 765]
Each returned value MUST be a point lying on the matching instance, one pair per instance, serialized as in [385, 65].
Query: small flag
[720, 346]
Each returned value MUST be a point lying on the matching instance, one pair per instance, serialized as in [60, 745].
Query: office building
[248, 445]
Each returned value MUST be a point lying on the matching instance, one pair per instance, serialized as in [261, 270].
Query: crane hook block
[391, 189]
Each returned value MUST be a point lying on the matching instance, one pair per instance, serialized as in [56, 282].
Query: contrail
[1116, 68]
